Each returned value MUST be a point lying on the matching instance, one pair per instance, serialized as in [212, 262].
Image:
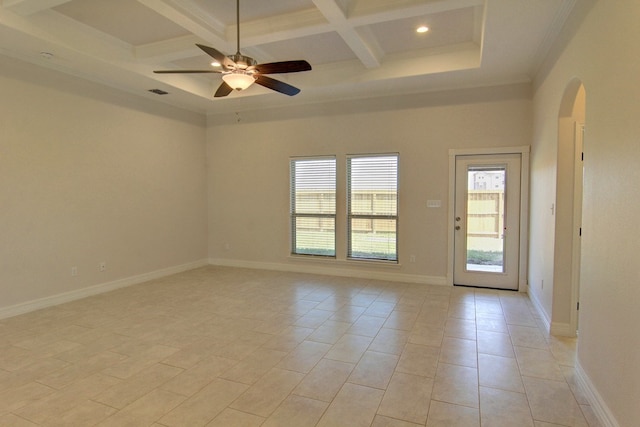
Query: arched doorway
[566, 271]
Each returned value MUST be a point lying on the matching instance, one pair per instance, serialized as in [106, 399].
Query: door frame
[508, 222]
[523, 151]
[576, 247]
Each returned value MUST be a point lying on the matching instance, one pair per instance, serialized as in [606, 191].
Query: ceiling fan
[240, 71]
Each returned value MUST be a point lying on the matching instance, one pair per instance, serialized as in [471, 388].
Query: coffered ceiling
[357, 48]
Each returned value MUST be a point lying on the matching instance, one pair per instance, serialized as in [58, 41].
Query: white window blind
[313, 206]
[372, 200]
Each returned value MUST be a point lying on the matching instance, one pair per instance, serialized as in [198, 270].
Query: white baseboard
[599, 407]
[554, 328]
[562, 330]
[372, 272]
[540, 310]
[40, 303]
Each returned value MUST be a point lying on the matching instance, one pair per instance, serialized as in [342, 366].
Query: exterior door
[487, 221]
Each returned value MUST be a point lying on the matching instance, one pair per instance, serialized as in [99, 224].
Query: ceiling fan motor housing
[242, 62]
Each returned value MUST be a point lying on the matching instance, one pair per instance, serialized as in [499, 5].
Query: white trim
[555, 328]
[450, 215]
[576, 243]
[540, 310]
[348, 262]
[524, 219]
[600, 408]
[551, 36]
[62, 298]
[482, 151]
[371, 273]
[524, 151]
[562, 329]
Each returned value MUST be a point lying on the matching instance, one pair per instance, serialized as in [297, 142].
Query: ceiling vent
[158, 91]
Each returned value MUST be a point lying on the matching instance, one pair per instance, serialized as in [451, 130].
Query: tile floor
[234, 347]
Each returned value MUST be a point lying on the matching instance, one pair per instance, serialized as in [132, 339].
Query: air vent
[158, 91]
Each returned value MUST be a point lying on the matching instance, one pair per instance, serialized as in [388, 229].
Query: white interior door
[487, 221]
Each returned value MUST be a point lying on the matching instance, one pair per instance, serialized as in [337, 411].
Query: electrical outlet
[74, 271]
[412, 258]
[102, 266]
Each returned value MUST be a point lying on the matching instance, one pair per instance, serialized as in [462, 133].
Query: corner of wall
[65, 297]
[562, 329]
[540, 310]
[340, 270]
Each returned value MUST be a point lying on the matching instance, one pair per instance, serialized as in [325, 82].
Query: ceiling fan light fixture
[238, 80]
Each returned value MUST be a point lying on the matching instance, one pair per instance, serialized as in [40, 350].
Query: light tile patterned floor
[234, 347]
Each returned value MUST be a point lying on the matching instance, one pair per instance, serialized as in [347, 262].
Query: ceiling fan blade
[217, 55]
[277, 85]
[283, 67]
[223, 90]
[186, 71]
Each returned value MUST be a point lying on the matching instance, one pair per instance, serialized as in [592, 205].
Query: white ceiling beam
[363, 45]
[29, 7]
[282, 27]
[90, 54]
[168, 50]
[200, 14]
[202, 28]
[253, 33]
[367, 12]
[54, 30]
[293, 25]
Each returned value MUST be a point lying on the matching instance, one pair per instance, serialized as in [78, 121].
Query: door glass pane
[485, 218]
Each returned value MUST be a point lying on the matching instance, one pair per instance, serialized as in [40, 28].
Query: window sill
[346, 262]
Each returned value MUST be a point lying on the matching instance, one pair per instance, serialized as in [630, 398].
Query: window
[313, 206]
[372, 203]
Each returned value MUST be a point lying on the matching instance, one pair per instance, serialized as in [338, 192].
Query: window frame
[371, 217]
[294, 215]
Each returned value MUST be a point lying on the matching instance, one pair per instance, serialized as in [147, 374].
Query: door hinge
[578, 305]
[582, 156]
[580, 232]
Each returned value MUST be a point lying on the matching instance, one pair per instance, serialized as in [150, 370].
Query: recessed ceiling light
[422, 29]
[215, 64]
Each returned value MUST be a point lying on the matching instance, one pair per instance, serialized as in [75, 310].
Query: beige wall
[249, 154]
[602, 53]
[89, 174]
